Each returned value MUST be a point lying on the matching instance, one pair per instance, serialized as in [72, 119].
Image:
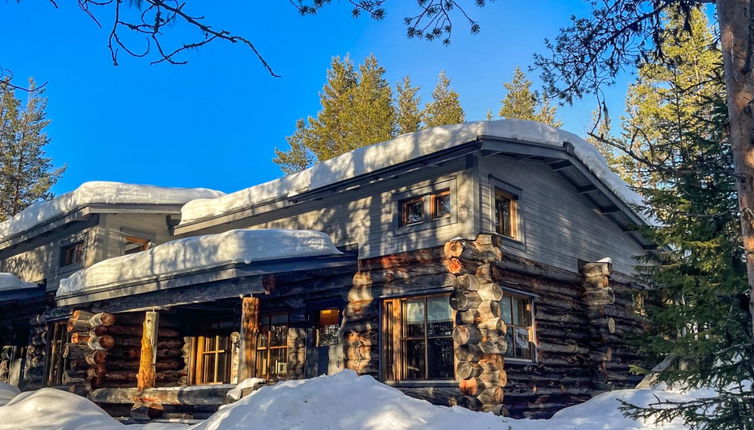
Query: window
[72, 254]
[55, 348]
[328, 322]
[418, 338]
[440, 204]
[211, 359]
[506, 213]
[271, 361]
[517, 313]
[135, 244]
[412, 211]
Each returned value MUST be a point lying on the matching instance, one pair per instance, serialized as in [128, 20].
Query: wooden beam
[560, 165]
[249, 331]
[586, 189]
[610, 210]
[147, 375]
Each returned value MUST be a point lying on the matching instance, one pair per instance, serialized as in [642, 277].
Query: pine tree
[520, 102]
[26, 175]
[357, 110]
[601, 137]
[698, 315]
[445, 108]
[408, 112]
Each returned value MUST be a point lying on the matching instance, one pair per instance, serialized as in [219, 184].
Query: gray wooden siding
[367, 216]
[560, 226]
[41, 260]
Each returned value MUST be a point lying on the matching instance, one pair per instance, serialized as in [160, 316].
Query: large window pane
[278, 335]
[439, 316]
[505, 309]
[413, 318]
[414, 359]
[440, 358]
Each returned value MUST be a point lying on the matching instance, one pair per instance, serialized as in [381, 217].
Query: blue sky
[214, 122]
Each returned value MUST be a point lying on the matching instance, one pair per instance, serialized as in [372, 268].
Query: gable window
[412, 211]
[417, 210]
[271, 361]
[55, 349]
[135, 244]
[517, 312]
[506, 213]
[418, 338]
[328, 322]
[72, 254]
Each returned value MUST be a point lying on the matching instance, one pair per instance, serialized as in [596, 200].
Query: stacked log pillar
[599, 299]
[35, 353]
[86, 350]
[359, 330]
[479, 334]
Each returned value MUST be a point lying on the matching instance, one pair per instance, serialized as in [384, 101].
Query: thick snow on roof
[9, 282]
[200, 252]
[99, 192]
[404, 148]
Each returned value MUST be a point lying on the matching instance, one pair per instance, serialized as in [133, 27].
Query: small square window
[506, 213]
[72, 254]
[328, 322]
[135, 244]
[412, 211]
[441, 204]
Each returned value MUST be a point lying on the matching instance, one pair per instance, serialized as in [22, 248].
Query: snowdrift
[344, 401]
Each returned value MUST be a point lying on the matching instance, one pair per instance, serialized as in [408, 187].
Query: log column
[87, 350]
[479, 335]
[147, 375]
[249, 331]
[599, 299]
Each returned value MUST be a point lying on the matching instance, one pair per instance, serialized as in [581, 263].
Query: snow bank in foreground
[100, 192]
[344, 401]
[9, 281]
[52, 409]
[403, 148]
[7, 393]
[200, 252]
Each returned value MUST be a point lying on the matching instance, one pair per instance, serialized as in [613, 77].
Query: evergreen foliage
[357, 110]
[520, 102]
[445, 108]
[676, 134]
[408, 112]
[26, 175]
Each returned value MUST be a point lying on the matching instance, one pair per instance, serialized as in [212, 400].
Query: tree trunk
[735, 18]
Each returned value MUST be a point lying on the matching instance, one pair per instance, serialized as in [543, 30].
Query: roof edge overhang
[83, 213]
[230, 280]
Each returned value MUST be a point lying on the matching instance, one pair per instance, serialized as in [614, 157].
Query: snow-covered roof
[9, 282]
[101, 192]
[405, 148]
[196, 253]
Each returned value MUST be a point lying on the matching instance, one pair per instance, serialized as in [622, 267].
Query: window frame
[427, 193]
[268, 349]
[393, 358]
[518, 240]
[198, 376]
[63, 253]
[532, 327]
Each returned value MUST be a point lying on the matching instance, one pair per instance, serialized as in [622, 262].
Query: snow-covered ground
[343, 401]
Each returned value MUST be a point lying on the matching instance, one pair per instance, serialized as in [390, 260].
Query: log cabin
[51, 240]
[488, 265]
